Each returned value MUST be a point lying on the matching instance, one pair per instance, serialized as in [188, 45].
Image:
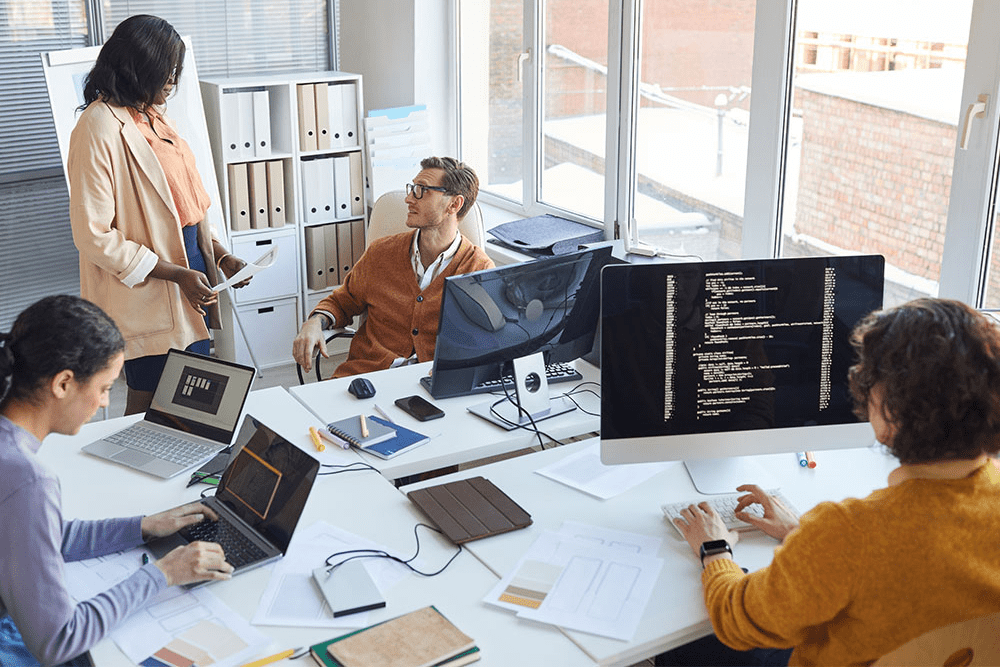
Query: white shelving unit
[265, 119]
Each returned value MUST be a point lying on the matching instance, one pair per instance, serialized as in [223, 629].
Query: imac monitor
[491, 317]
[704, 362]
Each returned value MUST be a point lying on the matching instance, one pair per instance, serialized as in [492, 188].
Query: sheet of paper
[585, 472]
[87, 578]
[193, 625]
[636, 543]
[579, 585]
[252, 268]
[291, 597]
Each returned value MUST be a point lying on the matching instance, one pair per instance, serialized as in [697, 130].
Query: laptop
[195, 411]
[259, 500]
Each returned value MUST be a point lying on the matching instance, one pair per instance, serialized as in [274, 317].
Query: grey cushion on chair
[389, 217]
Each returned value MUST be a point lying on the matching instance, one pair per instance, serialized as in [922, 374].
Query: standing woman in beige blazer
[148, 256]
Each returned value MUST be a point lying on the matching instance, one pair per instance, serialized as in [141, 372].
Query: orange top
[177, 160]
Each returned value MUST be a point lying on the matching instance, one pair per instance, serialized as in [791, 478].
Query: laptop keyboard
[161, 445]
[554, 372]
[239, 549]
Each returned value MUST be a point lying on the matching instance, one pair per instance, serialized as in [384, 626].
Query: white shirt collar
[426, 276]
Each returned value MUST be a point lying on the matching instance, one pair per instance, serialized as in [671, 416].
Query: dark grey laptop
[195, 411]
[259, 500]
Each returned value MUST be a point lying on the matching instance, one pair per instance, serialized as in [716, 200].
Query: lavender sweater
[35, 542]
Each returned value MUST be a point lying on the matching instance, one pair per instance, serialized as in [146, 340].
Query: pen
[803, 461]
[145, 558]
[271, 658]
[364, 426]
[340, 443]
[810, 460]
[381, 413]
[314, 434]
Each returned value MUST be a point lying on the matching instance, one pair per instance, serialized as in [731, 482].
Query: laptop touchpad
[133, 458]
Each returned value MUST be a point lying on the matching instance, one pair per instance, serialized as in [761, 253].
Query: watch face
[712, 547]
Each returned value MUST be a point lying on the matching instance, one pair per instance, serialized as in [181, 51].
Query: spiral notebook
[349, 430]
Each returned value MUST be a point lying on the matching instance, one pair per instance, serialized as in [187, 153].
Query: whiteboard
[64, 75]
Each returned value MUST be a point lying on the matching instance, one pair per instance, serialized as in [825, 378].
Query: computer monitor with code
[715, 360]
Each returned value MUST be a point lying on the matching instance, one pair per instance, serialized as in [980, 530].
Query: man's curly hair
[938, 364]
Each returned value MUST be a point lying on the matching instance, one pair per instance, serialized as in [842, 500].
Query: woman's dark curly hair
[938, 364]
[135, 64]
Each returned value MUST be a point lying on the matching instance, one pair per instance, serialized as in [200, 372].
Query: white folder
[312, 205]
[357, 186]
[349, 113]
[326, 188]
[261, 123]
[342, 182]
[245, 102]
[335, 111]
[230, 118]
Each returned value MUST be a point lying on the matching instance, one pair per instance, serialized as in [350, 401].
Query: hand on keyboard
[774, 515]
[195, 562]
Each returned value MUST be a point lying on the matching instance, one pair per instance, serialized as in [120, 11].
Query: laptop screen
[267, 482]
[201, 395]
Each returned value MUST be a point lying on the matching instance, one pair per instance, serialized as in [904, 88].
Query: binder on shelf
[239, 197]
[345, 249]
[306, 95]
[335, 114]
[357, 186]
[275, 193]
[342, 186]
[349, 112]
[261, 123]
[312, 205]
[258, 195]
[315, 258]
[323, 135]
[229, 113]
[327, 197]
[357, 238]
[245, 101]
[330, 236]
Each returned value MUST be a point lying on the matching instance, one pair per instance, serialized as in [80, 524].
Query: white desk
[363, 503]
[676, 613]
[462, 436]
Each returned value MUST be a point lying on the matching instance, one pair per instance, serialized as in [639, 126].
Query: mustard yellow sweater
[860, 578]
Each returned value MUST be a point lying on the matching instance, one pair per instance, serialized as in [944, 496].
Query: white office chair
[973, 642]
[388, 217]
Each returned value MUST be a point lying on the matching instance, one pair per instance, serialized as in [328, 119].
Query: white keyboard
[724, 505]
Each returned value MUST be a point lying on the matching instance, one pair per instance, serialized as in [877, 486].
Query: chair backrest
[972, 642]
[389, 217]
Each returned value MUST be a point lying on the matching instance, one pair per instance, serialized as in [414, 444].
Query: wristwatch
[714, 547]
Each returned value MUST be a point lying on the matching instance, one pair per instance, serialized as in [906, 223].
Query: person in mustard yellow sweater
[854, 580]
[399, 281]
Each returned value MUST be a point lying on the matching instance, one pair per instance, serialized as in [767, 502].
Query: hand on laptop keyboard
[193, 562]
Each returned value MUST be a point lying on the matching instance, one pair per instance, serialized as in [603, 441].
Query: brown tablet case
[470, 509]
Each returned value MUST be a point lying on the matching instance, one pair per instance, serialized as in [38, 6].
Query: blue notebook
[404, 441]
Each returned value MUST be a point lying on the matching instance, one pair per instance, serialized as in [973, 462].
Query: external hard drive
[348, 589]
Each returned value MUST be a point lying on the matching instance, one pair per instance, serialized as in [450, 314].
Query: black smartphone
[419, 408]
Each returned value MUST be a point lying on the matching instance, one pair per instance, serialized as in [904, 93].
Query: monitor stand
[721, 476]
[531, 393]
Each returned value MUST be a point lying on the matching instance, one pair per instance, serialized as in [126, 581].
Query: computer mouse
[361, 388]
[478, 306]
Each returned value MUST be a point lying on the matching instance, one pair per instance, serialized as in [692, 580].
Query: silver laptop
[194, 414]
[259, 500]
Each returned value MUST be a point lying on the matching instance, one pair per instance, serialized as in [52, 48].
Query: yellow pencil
[271, 658]
[314, 434]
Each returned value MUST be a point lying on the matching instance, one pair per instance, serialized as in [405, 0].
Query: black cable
[346, 467]
[533, 428]
[379, 553]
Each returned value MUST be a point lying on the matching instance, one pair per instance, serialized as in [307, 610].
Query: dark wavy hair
[459, 179]
[938, 365]
[54, 334]
[135, 63]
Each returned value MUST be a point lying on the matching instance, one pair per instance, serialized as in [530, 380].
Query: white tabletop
[363, 503]
[459, 437]
[676, 613]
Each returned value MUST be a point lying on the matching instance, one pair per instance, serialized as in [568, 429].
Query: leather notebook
[470, 509]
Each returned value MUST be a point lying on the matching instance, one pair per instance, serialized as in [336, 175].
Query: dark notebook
[470, 509]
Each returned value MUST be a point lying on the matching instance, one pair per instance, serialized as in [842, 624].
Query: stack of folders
[328, 115]
[256, 195]
[422, 638]
[331, 251]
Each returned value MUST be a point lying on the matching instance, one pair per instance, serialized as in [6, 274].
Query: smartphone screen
[419, 408]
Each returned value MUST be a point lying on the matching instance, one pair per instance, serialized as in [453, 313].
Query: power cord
[346, 467]
[379, 553]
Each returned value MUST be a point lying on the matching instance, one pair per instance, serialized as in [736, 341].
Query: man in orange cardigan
[399, 280]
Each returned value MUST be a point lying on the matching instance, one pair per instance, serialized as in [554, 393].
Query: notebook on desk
[195, 411]
[259, 500]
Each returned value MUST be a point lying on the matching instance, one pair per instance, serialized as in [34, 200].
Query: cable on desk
[379, 553]
[533, 428]
[346, 467]
[577, 390]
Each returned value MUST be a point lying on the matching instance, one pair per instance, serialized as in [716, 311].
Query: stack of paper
[398, 139]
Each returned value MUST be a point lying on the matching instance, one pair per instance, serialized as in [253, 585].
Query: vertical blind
[230, 37]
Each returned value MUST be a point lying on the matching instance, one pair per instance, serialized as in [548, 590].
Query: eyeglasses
[417, 190]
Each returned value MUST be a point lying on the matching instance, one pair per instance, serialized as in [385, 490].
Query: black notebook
[349, 430]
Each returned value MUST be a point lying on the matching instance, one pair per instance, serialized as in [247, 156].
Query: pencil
[364, 426]
[273, 658]
[810, 460]
[314, 434]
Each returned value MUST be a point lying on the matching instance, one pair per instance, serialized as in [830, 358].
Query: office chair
[388, 217]
[973, 642]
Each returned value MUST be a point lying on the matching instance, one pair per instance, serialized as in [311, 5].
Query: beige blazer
[123, 218]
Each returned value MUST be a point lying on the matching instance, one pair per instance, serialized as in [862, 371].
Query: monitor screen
[731, 358]
[489, 318]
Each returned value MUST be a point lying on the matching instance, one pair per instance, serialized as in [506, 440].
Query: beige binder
[315, 258]
[258, 195]
[323, 137]
[357, 238]
[307, 116]
[357, 185]
[239, 197]
[333, 276]
[345, 249]
[276, 193]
